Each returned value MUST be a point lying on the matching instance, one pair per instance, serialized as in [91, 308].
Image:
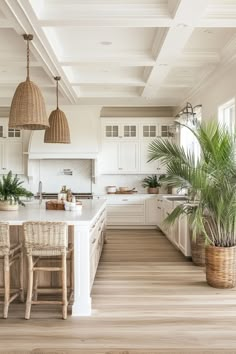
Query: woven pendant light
[28, 109]
[59, 132]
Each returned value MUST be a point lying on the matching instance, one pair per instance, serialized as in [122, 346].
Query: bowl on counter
[124, 189]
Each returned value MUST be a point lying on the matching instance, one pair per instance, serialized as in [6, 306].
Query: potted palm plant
[211, 208]
[11, 191]
[152, 183]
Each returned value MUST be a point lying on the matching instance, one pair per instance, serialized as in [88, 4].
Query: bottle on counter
[69, 195]
[62, 196]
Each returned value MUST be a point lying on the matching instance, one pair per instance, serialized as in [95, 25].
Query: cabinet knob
[120, 168]
[4, 168]
[158, 168]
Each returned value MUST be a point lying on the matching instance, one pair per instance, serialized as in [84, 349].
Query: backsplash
[75, 174]
[130, 181]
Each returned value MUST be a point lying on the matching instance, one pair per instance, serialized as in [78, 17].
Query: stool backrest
[45, 236]
[4, 239]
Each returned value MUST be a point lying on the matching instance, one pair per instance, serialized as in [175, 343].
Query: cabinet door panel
[128, 156]
[110, 157]
[151, 211]
[3, 167]
[14, 156]
[145, 166]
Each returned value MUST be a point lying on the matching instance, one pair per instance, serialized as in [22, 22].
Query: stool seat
[45, 240]
[9, 254]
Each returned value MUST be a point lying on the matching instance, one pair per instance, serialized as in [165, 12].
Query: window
[226, 115]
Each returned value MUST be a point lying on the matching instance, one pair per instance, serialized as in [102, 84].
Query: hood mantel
[84, 139]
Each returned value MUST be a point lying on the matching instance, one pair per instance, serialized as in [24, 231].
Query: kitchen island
[88, 237]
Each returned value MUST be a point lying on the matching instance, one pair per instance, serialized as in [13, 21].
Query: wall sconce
[188, 115]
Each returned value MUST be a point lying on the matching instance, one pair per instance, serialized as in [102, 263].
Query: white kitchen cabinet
[97, 237]
[178, 233]
[128, 156]
[11, 149]
[113, 130]
[119, 157]
[151, 211]
[125, 210]
[132, 137]
[184, 243]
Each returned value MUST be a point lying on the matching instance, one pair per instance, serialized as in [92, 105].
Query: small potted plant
[11, 191]
[152, 183]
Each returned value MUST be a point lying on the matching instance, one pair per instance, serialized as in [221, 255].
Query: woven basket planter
[153, 190]
[7, 206]
[221, 267]
[198, 250]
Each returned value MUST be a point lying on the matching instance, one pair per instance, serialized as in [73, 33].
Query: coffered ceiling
[116, 52]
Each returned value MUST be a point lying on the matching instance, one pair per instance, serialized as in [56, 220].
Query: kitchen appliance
[77, 195]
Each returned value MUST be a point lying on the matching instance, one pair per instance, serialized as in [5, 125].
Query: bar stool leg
[64, 287]
[71, 273]
[30, 287]
[35, 291]
[6, 286]
[22, 295]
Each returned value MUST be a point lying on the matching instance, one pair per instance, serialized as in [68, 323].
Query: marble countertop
[33, 211]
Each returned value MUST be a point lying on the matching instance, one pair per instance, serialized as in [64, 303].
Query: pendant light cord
[57, 95]
[27, 78]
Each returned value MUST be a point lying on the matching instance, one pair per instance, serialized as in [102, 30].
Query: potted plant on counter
[211, 181]
[152, 183]
[11, 191]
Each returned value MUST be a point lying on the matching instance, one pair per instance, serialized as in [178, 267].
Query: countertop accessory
[55, 205]
[111, 189]
[28, 109]
[123, 189]
[59, 131]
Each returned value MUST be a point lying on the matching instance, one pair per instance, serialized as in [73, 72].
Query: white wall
[220, 88]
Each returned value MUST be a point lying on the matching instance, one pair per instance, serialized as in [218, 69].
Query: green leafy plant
[11, 189]
[210, 179]
[151, 182]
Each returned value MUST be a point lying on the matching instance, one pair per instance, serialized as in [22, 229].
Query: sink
[179, 197]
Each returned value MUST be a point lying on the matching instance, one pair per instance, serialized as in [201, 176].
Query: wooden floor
[147, 299]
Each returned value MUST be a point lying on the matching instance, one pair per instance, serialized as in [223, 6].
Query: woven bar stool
[45, 240]
[9, 254]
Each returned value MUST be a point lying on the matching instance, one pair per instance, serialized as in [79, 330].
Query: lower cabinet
[178, 233]
[131, 211]
[97, 237]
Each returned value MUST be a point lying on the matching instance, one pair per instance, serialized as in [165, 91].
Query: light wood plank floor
[147, 299]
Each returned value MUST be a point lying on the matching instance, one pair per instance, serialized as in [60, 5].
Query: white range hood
[83, 146]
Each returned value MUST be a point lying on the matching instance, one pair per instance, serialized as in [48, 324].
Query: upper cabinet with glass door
[112, 130]
[152, 131]
[11, 149]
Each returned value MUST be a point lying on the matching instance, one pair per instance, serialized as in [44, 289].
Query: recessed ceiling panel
[106, 91]
[103, 74]
[209, 38]
[75, 43]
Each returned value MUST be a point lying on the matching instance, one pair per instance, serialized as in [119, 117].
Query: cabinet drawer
[125, 210]
[125, 201]
[126, 220]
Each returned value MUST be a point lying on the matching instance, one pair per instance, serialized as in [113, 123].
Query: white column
[82, 299]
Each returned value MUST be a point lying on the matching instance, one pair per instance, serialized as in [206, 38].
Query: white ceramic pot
[111, 189]
[7, 206]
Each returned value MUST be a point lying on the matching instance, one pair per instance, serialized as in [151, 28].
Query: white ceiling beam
[24, 19]
[109, 22]
[173, 41]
